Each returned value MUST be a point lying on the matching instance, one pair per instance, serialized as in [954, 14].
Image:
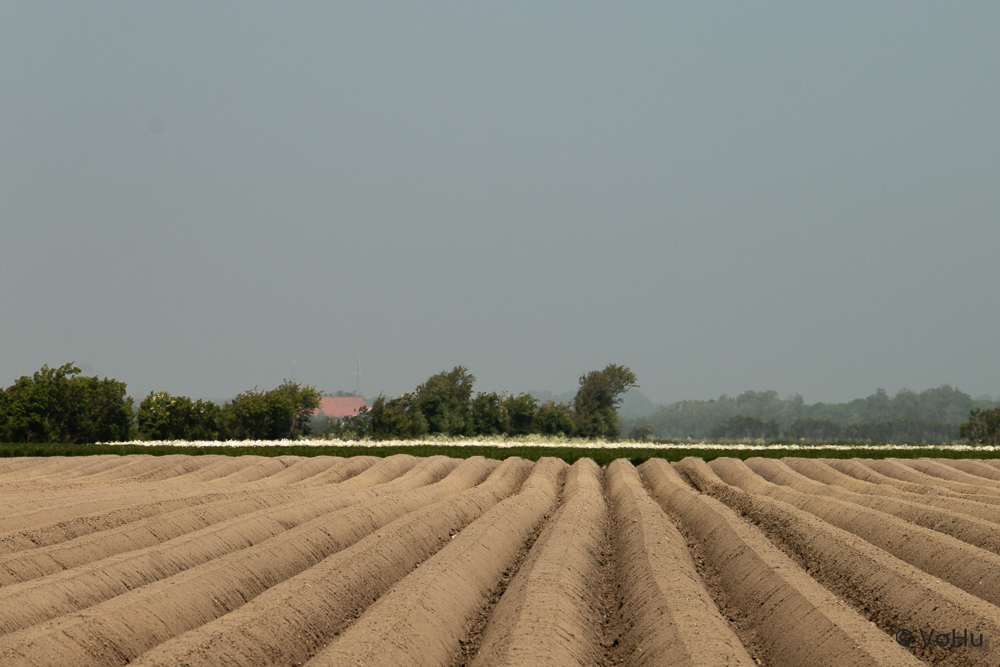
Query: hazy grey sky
[203, 197]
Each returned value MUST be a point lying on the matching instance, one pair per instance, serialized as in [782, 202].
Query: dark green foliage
[739, 427]
[165, 417]
[521, 412]
[445, 402]
[597, 400]
[397, 418]
[554, 419]
[602, 456]
[283, 412]
[444, 405]
[983, 427]
[4, 415]
[54, 405]
[489, 414]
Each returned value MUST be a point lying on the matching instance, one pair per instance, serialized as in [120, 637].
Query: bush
[165, 417]
[554, 419]
[489, 415]
[283, 412]
[983, 427]
[398, 418]
[55, 406]
[521, 412]
[445, 402]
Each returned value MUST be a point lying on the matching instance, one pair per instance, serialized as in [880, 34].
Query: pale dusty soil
[218, 561]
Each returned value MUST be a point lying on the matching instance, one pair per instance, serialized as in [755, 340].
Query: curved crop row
[29, 603]
[421, 621]
[888, 591]
[666, 614]
[480, 563]
[548, 615]
[776, 597]
[295, 619]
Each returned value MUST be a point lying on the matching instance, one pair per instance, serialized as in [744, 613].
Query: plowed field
[214, 561]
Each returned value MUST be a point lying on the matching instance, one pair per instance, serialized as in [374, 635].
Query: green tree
[398, 418]
[54, 405]
[282, 412]
[521, 411]
[165, 417]
[983, 427]
[445, 400]
[101, 410]
[489, 414]
[597, 400]
[554, 419]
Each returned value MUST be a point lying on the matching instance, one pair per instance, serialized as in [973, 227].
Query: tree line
[445, 405]
[931, 416]
[60, 405]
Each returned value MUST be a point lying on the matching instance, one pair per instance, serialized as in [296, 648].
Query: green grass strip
[602, 456]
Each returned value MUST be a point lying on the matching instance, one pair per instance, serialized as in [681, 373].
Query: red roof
[340, 406]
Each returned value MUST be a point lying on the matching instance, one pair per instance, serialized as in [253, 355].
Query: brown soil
[938, 553]
[297, 618]
[798, 621]
[215, 560]
[550, 611]
[888, 592]
[941, 470]
[977, 468]
[897, 470]
[423, 619]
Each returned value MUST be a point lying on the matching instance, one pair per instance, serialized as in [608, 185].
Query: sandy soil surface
[215, 560]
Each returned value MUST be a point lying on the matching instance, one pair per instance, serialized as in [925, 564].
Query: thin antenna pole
[357, 376]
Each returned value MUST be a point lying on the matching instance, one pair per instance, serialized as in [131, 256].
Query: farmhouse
[338, 407]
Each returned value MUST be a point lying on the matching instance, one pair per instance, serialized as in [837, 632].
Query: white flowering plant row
[537, 441]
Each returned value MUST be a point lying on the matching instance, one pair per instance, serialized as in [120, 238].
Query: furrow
[548, 612]
[771, 592]
[56, 527]
[119, 630]
[155, 468]
[977, 468]
[894, 595]
[896, 470]
[664, 612]
[818, 471]
[43, 467]
[970, 568]
[856, 468]
[784, 483]
[293, 620]
[26, 604]
[299, 471]
[89, 466]
[940, 470]
[424, 618]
